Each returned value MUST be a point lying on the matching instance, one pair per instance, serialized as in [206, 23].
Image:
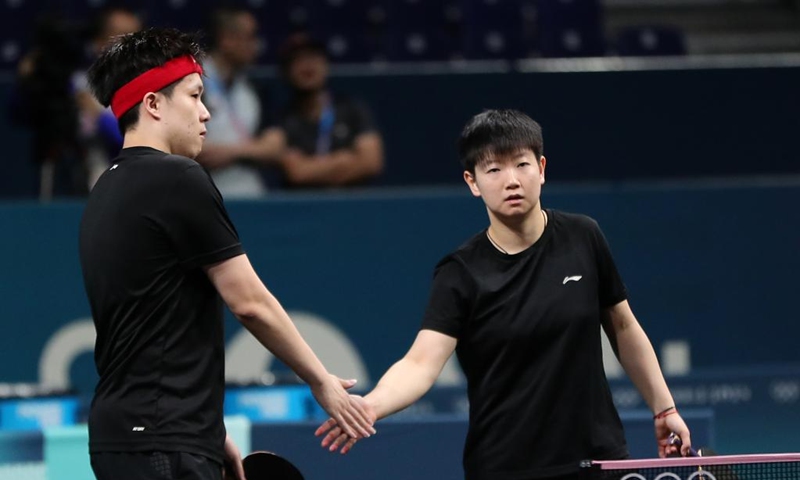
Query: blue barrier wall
[597, 125]
[711, 265]
[714, 266]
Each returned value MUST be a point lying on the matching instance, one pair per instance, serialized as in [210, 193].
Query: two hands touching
[349, 413]
[336, 438]
[351, 418]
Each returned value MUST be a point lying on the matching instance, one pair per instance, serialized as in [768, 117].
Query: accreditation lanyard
[223, 96]
[325, 127]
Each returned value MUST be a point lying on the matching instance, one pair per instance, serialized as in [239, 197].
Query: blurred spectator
[239, 138]
[43, 101]
[99, 131]
[73, 135]
[331, 139]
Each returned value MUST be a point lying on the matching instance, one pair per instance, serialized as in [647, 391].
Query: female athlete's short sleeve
[448, 305]
[611, 289]
[197, 223]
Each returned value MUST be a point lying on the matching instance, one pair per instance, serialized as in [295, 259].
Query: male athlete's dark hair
[130, 56]
[498, 132]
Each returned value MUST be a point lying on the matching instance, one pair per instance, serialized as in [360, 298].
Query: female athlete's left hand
[667, 425]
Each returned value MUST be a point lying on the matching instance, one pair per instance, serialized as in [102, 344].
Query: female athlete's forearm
[402, 385]
[639, 360]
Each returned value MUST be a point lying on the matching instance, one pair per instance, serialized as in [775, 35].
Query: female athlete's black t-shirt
[152, 221]
[529, 342]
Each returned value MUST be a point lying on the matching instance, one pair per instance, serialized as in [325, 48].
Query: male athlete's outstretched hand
[664, 428]
[335, 437]
[350, 414]
[234, 470]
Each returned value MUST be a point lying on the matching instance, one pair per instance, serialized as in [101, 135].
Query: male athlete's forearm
[273, 328]
[639, 360]
[403, 384]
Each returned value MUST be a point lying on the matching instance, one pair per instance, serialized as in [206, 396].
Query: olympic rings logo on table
[698, 475]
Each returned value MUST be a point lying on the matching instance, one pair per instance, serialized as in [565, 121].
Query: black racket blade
[269, 466]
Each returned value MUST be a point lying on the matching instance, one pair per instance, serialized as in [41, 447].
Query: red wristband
[665, 412]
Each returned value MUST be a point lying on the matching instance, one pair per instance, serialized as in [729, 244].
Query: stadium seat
[342, 25]
[651, 41]
[277, 19]
[415, 30]
[187, 15]
[493, 29]
[570, 28]
[16, 21]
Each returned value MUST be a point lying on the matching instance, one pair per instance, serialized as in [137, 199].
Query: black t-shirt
[529, 342]
[150, 224]
[351, 119]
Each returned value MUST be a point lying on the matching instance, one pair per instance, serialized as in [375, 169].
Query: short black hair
[498, 132]
[133, 54]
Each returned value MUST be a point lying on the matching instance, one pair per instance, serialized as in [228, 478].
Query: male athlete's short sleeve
[611, 288]
[196, 221]
[448, 305]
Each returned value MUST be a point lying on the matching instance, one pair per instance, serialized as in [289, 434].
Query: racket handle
[676, 441]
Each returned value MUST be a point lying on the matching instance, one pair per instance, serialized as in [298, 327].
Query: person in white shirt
[239, 140]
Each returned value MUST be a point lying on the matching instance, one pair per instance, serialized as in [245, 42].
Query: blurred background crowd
[277, 123]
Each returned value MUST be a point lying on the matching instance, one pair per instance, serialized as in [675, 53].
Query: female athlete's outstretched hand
[348, 413]
[335, 436]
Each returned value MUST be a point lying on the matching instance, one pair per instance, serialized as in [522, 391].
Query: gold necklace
[497, 245]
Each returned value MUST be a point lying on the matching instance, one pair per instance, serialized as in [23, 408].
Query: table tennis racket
[264, 465]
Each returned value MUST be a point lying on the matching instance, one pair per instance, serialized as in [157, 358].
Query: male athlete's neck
[139, 137]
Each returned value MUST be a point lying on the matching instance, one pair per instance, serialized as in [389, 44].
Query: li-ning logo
[698, 475]
[574, 278]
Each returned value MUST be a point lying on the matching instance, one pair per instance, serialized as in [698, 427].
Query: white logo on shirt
[138, 429]
[574, 278]
[114, 166]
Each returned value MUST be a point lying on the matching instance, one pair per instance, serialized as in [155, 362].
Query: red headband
[152, 80]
